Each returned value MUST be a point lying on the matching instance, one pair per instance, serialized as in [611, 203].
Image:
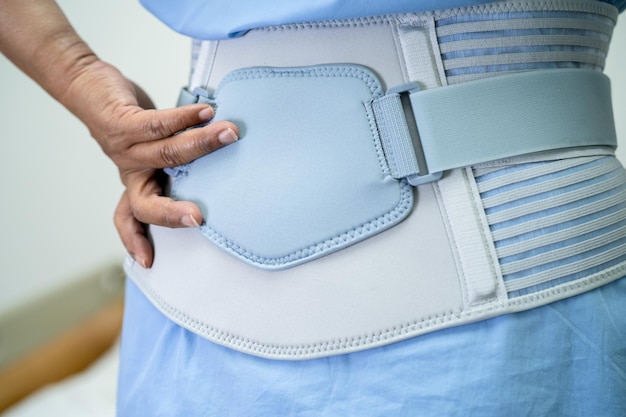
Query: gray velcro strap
[393, 130]
[494, 118]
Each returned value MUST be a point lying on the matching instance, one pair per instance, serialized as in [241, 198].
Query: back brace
[365, 205]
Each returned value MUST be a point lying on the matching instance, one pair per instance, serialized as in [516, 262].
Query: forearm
[36, 36]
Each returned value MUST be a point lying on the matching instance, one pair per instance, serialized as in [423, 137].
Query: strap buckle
[399, 134]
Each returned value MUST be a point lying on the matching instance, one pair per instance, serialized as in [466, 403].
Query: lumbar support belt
[327, 158]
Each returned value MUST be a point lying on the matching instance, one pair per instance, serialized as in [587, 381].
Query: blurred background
[59, 190]
[60, 255]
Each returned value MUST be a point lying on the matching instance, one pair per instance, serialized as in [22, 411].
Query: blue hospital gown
[567, 358]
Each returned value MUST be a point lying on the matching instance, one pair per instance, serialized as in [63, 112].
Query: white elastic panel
[422, 57]
[470, 238]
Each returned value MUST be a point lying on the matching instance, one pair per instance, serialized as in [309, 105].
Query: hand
[140, 141]
[36, 36]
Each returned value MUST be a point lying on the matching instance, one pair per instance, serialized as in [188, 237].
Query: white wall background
[59, 191]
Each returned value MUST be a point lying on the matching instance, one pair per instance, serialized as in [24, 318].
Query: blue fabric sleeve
[213, 19]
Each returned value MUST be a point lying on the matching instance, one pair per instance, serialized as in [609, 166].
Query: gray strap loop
[199, 95]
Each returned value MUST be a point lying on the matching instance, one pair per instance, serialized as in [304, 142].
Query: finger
[150, 207]
[133, 233]
[184, 147]
[158, 124]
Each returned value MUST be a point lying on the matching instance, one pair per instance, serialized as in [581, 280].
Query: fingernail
[206, 114]
[189, 221]
[227, 136]
[140, 261]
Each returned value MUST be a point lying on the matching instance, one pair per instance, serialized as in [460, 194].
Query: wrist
[37, 37]
[75, 58]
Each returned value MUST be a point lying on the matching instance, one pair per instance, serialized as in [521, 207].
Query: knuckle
[156, 128]
[166, 220]
[118, 222]
[118, 217]
[122, 211]
[152, 211]
[204, 144]
[137, 211]
[170, 155]
[166, 215]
